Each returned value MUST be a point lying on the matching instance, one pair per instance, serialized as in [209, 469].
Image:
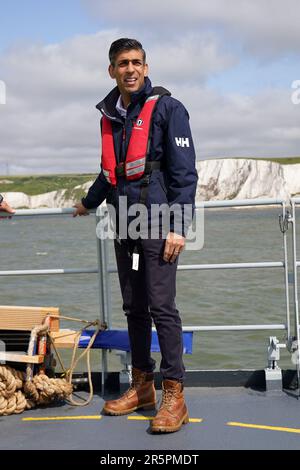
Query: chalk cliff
[246, 179]
[219, 179]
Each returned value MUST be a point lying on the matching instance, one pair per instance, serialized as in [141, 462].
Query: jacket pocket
[162, 182]
[157, 192]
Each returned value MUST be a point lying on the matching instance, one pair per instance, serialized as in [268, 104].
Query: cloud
[236, 125]
[191, 59]
[261, 28]
[53, 74]
[49, 123]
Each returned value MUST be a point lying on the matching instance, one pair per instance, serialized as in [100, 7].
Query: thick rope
[17, 394]
[20, 391]
[38, 330]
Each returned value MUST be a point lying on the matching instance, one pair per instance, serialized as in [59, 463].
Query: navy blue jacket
[176, 182]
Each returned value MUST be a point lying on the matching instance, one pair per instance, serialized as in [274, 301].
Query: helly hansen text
[182, 142]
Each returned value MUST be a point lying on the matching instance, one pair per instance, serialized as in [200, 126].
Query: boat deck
[220, 418]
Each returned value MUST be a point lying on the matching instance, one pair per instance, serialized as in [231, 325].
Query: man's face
[129, 71]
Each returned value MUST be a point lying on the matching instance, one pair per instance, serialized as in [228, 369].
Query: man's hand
[6, 208]
[80, 210]
[174, 245]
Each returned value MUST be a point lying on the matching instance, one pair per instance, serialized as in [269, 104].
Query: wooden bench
[25, 319]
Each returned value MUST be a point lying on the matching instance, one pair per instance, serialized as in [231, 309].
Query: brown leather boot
[141, 394]
[173, 412]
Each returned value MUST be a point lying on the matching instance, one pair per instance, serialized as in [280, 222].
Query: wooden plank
[19, 357]
[26, 318]
[64, 339]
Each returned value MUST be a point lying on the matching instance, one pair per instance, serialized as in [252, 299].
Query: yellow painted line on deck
[140, 418]
[62, 418]
[268, 428]
[147, 418]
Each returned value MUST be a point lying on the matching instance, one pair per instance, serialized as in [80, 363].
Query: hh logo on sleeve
[182, 142]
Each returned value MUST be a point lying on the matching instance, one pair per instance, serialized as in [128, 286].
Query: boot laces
[136, 382]
[167, 397]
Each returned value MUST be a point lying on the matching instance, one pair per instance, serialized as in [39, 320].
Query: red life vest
[135, 163]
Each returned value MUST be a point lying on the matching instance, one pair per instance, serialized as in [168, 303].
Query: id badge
[135, 261]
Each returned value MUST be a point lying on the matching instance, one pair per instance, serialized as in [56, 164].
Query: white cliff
[291, 175]
[52, 199]
[244, 179]
[219, 179]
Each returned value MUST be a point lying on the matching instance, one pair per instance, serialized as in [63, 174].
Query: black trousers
[149, 294]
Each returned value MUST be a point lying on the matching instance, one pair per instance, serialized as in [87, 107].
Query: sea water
[207, 297]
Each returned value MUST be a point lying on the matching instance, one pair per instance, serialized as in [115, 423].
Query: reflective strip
[136, 170]
[138, 162]
[155, 97]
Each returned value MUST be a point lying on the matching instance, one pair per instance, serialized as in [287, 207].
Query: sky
[231, 62]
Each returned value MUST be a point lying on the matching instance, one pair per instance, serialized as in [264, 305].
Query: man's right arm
[95, 196]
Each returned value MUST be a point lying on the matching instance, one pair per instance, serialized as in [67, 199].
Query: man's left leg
[161, 288]
[141, 393]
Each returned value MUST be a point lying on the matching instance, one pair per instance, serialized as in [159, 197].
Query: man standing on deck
[148, 157]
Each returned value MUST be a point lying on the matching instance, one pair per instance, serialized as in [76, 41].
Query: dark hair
[124, 44]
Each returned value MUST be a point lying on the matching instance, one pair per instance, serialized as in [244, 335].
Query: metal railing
[104, 270]
[295, 345]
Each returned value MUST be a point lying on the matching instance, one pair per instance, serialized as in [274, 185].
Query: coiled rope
[21, 391]
[17, 394]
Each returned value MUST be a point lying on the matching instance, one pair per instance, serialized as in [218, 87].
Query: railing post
[295, 285]
[104, 290]
[286, 271]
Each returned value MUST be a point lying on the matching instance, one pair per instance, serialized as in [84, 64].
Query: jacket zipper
[123, 158]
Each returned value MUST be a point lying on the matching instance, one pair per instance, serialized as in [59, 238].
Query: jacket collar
[108, 105]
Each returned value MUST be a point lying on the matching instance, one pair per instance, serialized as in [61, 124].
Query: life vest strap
[149, 167]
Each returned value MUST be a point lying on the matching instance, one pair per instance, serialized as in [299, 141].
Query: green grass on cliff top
[281, 160]
[39, 184]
